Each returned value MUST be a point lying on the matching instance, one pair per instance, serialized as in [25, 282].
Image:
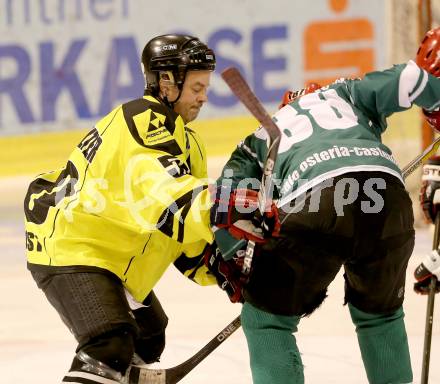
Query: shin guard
[273, 352]
[384, 346]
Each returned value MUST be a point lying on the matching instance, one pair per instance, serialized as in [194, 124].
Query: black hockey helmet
[175, 53]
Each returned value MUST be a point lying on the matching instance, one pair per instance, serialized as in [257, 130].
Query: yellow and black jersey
[132, 198]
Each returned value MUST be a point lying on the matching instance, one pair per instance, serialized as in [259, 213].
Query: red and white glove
[428, 58]
[290, 96]
[238, 213]
[430, 267]
[227, 272]
[430, 190]
[433, 119]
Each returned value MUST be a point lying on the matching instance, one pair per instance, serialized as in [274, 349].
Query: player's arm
[235, 217]
[398, 88]
[209, 268]
[191, 263]
[395, 89]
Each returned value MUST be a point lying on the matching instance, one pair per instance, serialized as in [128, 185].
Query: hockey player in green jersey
[131, 200]
[430, 191]
[342, 203]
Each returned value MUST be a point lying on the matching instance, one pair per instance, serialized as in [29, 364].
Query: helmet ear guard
[167, 76]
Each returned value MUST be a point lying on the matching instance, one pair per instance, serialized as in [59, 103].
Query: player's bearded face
[194, 95]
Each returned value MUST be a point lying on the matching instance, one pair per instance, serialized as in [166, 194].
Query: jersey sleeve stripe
[181, 230]
[420, 88]
[191, 132]
[166, 219]
[184, 263]
[410, 77]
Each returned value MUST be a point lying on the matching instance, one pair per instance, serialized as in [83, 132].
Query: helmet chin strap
[171, 103]
[170, 76]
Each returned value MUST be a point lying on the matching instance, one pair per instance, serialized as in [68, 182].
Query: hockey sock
[273, 352]
[384, 346]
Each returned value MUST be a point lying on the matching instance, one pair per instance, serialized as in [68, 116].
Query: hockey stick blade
[138, 375]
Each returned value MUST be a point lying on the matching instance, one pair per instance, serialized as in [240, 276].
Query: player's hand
[433, 118]
[269, 221]
[238, 213]
[430, 190]
[227, 243]
[227, 272]
[428, 268]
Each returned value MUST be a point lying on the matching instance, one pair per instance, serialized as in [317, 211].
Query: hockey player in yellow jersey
[132, 199]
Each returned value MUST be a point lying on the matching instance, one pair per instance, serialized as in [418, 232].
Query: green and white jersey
[335, 130]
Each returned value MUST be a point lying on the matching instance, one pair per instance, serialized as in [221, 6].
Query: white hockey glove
[430, 267]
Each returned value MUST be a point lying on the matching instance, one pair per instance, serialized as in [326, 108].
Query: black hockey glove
[227, 273]
[430, 191]
[430, 267]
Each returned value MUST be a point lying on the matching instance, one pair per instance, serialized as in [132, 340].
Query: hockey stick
[427, 152]
[240, 88]
[430, 311]
[138, 375]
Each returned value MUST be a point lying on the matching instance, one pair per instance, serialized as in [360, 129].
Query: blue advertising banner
[64, 63]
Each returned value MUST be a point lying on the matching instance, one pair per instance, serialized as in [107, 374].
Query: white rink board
[36, 348]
